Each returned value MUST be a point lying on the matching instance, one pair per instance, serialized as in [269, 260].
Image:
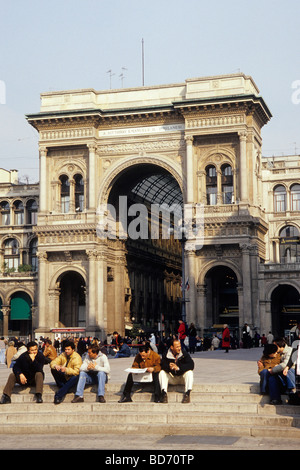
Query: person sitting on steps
[95, 369]
[177, 368]
[145, 359]
[27, 370]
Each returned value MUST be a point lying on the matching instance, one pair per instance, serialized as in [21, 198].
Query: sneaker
[77, 399]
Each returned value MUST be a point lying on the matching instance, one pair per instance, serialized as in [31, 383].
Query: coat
[9, 353]
[226, 338]
[101, 363]
[152, 361]
[74, 363]
[24, 365]
[181, 331]
[183, 361]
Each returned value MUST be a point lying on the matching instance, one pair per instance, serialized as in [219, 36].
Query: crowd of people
[75, 362]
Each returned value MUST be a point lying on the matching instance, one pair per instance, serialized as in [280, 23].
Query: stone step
[235, 409]
[215, 409]
[117, 387]
[147, 397]
[84, 426]
[157, 413]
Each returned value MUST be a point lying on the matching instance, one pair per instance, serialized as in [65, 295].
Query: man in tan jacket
[145, 359]
[65, 370]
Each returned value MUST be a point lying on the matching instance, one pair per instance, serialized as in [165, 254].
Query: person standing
[2, 350]
[10, 352]
[192, 334]
[226, 338]
[182, 333]
[65, 370]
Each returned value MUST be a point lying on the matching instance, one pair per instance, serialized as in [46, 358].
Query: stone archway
[151, 259]
[222, 302]
[285, 308]
[72, 299]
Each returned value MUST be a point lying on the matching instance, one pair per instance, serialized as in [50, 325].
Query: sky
[73, 44]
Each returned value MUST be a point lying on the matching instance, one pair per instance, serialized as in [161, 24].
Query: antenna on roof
[143, 64]
[122, 75]
[110, 75]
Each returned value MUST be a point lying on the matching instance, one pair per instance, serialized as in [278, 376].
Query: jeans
[99, 378]
[272, 384]
[2, 356]
[62, 382]
[291, 379]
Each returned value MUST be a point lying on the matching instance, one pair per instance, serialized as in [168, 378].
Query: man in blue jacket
[28, 370]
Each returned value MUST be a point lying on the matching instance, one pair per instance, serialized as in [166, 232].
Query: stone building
[104, 264]
[18, 263]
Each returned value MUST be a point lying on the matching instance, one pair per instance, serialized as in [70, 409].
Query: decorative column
[189, 170]
[92, 176]
[201, 307]
[247, 297]
[92, 289]
[54, 306]
[5, 312]
[243, 168]
[191, 275]
[43, 290]
[72, 195]
[43, 180]
[101, 312]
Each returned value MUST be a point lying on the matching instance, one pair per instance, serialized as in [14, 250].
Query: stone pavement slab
[236, 367]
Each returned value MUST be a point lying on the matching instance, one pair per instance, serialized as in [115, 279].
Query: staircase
[215, 409]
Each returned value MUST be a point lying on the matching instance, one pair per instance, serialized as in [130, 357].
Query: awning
[68, 330]
[20, 307]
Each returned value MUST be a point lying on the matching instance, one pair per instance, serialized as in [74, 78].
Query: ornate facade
[193, 143]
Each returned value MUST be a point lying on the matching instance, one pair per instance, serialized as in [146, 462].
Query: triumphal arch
[106, 159]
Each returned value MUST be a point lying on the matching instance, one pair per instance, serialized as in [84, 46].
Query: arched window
[5, 213]
[65, 193]
[279, 199]
[33, 260]
[32, 209]
[79, 193]
[211, 185]
[11, 254]
[289, 244]
[227, 184]
[19, 213]
[295, 197]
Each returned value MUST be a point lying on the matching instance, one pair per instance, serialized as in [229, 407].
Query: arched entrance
[222, 297]
[20, 319]
[72, 302]
[285, 309]
[147, 201]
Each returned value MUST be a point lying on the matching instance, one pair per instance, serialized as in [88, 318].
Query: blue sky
[69, 44]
